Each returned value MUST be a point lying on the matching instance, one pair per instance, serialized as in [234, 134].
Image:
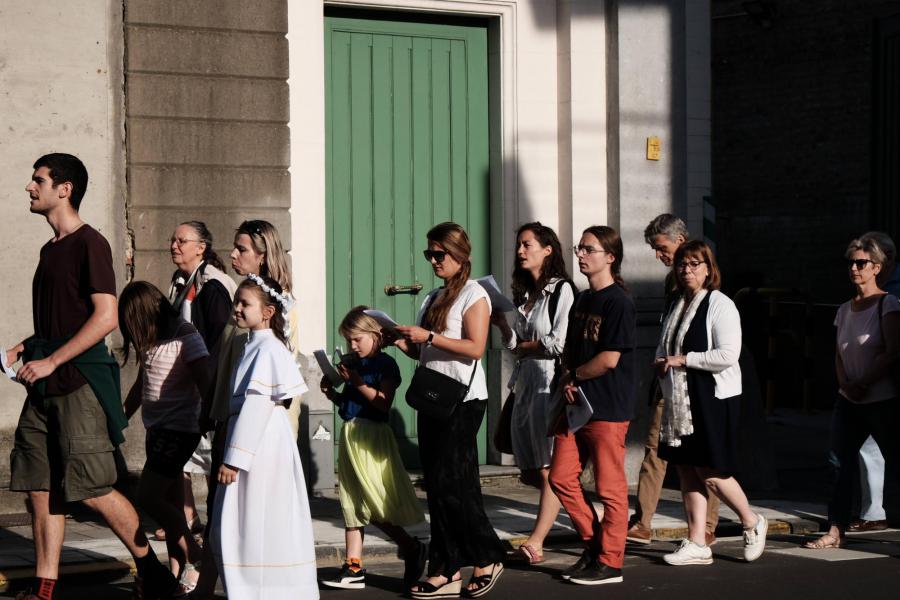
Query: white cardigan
[723, 330]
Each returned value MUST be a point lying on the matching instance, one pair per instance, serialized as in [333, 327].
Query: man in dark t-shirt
[599, 363]
[72, 418]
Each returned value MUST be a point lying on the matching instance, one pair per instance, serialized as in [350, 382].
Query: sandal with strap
[825, 542]
[529, 554]
[484, 583]
[424, 590]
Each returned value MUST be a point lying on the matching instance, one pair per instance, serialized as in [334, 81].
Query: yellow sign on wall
[654, 147]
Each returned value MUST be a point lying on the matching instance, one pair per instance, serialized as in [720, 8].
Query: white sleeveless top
[453, 365]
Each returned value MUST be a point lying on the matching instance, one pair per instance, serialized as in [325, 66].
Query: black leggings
[853, 424]
[461, 534]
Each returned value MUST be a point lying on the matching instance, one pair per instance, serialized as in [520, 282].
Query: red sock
[43, 588]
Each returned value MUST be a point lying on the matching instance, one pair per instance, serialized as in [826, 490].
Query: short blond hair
[357, 321]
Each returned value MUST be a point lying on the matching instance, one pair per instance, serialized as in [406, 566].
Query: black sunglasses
[859, 262]
[437, 255]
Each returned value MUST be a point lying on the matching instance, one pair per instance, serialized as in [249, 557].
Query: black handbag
[503, 432]
[436, 395]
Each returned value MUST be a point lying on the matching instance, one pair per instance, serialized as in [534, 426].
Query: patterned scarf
[676, 421]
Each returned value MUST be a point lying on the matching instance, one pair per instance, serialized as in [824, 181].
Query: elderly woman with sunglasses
[697, 362]
[868, 346]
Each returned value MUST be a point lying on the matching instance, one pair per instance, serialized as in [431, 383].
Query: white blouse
[859, 341]
[449, 364]
[538, 324]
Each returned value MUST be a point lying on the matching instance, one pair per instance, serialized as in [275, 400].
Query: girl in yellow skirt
[374, 485]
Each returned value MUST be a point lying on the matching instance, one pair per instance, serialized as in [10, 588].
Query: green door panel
[406, 148]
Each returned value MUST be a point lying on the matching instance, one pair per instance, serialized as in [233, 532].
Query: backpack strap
[554, 297]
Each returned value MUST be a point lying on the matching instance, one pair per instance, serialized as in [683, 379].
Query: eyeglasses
[588, 250]
[254, 227]
[437, 255]
[690, 265]
[181, 242]
[859, 263]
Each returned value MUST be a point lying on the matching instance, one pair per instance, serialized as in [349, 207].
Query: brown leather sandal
[825, 542]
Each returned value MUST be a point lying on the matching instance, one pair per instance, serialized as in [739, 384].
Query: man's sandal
[484, 583]
[824, 542]
[423, 590]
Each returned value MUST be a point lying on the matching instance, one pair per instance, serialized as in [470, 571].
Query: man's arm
[101, 322]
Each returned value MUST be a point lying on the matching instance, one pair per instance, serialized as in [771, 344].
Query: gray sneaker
[755, 539]
[689, 553]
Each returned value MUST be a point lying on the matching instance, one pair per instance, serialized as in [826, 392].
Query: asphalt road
[869, 568]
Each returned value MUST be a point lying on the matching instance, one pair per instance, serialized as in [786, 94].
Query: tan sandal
[824, 542]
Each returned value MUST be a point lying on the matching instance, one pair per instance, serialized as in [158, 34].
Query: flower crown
[283, 299]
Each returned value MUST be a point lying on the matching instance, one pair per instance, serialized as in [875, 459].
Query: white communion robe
[262, 536]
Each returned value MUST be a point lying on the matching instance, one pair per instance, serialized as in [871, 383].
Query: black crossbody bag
[434, 394]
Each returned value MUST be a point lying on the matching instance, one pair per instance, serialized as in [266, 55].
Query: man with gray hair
[664, 234]
[872, 516]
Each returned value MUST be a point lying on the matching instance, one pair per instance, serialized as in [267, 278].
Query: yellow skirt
[373, 482]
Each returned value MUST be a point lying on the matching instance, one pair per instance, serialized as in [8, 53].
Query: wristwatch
[430, 338]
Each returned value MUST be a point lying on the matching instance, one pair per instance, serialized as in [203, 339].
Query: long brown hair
[267, 242]
[277, 320]
[144, 312]
[455, 241]
[611, 242]
[553, 266]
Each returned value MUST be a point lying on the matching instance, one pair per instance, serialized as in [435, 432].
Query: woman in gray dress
[543, 294]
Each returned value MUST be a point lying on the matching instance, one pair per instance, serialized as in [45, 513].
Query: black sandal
[414, 563]
[484, 583]
[424, 590]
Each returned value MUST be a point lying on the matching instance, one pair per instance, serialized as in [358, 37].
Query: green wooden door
[406, 148]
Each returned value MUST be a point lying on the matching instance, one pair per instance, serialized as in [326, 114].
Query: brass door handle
[393, 290]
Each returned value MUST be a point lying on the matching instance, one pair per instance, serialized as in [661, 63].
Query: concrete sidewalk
[91, 548]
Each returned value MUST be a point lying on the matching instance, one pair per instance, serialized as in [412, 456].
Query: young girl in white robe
[262, 535]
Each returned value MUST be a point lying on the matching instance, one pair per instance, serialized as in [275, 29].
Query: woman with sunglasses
[543, 294]
[450, 338]
[700, 379]
[868, 346]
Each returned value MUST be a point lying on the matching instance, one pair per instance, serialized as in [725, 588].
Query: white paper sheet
[382, 317]
[579, 413]
[328, 369]
[498, 300]
[6, 369]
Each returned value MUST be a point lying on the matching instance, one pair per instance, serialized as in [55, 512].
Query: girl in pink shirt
[172, 379]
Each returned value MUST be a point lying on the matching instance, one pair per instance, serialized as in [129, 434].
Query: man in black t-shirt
[599, 363]
[72, 417]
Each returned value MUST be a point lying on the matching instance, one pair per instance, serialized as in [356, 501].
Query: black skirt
[716, 420]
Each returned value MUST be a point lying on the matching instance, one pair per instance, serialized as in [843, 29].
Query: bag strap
[553, 303]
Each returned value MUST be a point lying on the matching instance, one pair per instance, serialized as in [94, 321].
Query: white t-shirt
[453, 365]
[169, 398]
[859, 341]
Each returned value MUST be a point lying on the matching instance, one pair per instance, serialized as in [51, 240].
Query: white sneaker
[689, 553]
[755, 539]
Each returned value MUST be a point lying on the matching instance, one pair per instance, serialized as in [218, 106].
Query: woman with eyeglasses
[201, 292]
[450, 337]
[543, 294]
[697, 363]
[257, 250]
[867, 350]
[598, 359]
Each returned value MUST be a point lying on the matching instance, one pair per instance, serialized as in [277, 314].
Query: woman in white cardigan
[697, 361]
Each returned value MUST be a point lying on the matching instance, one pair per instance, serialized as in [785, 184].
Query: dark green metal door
[406, 148]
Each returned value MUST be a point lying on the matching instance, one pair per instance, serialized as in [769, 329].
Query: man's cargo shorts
[62, 446]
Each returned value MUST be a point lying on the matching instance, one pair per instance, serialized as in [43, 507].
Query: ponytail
[209, 255]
